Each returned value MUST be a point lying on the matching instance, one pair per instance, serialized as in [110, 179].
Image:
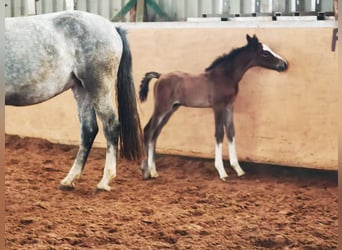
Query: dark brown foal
[216, 87]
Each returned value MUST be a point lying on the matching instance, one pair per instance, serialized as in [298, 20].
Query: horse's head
[264, 56]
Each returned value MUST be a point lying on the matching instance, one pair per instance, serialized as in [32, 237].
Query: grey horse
[48, 54]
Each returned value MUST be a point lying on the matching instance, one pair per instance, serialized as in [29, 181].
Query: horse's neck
[238, 67]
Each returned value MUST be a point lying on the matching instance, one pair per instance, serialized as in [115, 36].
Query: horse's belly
[34, 87]
[37, 67]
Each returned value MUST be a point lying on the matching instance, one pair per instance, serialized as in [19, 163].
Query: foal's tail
[144, 84]
[131, 146]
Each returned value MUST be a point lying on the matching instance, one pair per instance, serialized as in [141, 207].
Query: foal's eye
[266, 54]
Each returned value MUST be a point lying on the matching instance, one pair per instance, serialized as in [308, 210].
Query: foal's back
[183, 88]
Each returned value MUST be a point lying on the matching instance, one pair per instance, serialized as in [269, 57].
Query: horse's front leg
[231, 141]
[219, 134]
[89, 129]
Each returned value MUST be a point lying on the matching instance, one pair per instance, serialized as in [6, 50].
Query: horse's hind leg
[89, 129]
[231, 141]
[105, 111]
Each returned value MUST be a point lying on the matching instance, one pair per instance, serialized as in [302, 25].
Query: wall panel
[282, 118]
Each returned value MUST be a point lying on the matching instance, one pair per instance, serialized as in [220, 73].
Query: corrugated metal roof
[179, 10]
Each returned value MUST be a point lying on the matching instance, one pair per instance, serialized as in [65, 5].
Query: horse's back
[96, 39]
[44, 53]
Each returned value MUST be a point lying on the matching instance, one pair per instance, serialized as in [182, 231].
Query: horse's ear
[252, 41]
[249, 39]
[255, 38]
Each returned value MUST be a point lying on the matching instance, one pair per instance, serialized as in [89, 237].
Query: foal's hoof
[241, 173]
[66, 187]
[149, 175]
[224, 178]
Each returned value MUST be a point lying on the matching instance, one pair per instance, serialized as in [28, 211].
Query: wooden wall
[281, 118]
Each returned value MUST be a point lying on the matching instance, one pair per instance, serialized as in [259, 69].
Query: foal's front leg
[231, 141]
[219, 134]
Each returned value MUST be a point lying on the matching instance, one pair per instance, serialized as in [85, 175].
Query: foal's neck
[239, 65]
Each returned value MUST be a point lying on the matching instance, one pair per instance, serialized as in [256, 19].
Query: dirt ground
[187, 207]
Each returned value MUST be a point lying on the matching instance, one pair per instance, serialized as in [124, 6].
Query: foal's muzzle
[282, 66]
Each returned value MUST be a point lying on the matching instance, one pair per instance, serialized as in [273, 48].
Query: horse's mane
[225, 58]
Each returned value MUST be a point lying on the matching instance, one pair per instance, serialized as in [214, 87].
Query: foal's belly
[194, 91]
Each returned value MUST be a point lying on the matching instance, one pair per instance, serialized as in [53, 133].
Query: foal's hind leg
[89, 129]
[219, 134]
[151, 133]
[148, 166]
[231, 141]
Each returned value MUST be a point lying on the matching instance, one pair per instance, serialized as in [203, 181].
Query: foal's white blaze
[109, 171]
[266, 48]
[219, 162]
[233, 158]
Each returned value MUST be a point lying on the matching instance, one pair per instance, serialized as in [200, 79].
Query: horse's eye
[265, 53]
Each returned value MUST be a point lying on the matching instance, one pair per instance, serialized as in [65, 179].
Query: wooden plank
[280, 118]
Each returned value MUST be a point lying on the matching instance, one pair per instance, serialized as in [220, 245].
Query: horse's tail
[131, 146]
[144, 84]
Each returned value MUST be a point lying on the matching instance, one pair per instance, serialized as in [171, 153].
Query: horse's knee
[112, 131]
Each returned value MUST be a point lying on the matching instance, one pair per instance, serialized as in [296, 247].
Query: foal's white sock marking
[150, 161]
[219, 162]
[150, 154]
[109, 171]
[233, 158]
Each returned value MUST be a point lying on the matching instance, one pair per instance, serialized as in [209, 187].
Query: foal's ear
[249, 39]
[252, 41]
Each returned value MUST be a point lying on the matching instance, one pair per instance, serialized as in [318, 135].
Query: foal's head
[263, 56]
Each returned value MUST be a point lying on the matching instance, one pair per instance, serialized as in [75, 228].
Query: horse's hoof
[100, 188]
[66, 187]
